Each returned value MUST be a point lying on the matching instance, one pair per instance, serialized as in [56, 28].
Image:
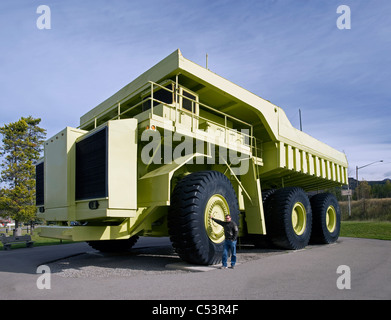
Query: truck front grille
[91, 166]
[39, 185]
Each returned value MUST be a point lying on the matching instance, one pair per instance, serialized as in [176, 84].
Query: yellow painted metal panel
[297, 159]
[310, 163]
[59, 168]
[155, 186]
[83, 212]
[317, 166]
[338, 173]
[131, 226]
[345, 175]
[327, 170]
[255, 218]
[289, 157]
[122, 164]
[57, 214]
[323, 168]
[332, 169]
[282, 154]
[304, 162]
[55, 232]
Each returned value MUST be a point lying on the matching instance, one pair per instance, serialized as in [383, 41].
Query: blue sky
[287, 51]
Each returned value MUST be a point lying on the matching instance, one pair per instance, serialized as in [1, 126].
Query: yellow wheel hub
[331, 219]
[218, 208]
[299, 218]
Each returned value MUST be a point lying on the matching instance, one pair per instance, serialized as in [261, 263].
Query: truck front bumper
[84, 233]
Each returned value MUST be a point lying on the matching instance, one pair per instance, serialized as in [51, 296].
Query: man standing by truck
[231, 233]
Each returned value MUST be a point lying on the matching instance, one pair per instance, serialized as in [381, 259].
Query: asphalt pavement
[349, 269]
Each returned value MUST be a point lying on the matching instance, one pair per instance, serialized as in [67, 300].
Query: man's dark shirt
[230, 229]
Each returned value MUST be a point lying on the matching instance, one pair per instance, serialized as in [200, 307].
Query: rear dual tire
[288, 218]
[293, 221]
[326, 218]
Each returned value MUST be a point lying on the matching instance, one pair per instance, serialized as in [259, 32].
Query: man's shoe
[223, 267]
[232, 267]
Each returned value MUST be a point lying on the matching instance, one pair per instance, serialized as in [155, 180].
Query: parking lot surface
[152, 270]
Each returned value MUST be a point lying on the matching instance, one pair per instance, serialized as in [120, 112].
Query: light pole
[357, 168]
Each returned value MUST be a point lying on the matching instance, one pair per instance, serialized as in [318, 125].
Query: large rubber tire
[326, 223]
[194, 236]
[113, 245]
[288, 218]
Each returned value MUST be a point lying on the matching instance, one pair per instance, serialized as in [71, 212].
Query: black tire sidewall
[221, 187]
[320, 204]
[198, 247]
[279, 218]
[298, 241]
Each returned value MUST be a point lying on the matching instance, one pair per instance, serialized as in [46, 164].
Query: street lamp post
[357, 168]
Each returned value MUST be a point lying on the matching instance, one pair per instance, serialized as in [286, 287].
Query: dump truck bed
[285, 156]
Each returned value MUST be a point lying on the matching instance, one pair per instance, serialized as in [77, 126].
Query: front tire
[196, 238]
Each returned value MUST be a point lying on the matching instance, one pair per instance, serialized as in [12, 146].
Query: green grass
[38, 241]
[366, 229]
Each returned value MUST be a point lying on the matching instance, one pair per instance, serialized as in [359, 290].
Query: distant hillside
[379, 182]
[353, 183]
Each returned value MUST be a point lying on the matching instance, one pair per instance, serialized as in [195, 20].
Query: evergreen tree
[22, 145]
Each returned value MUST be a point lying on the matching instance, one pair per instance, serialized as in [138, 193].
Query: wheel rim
[331, 219]
[299, 218]
[218, 207]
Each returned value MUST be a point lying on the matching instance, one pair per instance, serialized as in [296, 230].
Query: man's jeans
[229, 246]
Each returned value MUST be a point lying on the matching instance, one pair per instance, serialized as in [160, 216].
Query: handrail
[198, 117]
[94, 119]
[193, 115]
[162, 87]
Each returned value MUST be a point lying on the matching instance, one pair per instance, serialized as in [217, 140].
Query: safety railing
[248, 138]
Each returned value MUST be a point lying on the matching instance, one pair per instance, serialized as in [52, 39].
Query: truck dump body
[287, 156]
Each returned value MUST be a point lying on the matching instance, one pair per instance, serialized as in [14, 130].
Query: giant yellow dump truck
[176, 147]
